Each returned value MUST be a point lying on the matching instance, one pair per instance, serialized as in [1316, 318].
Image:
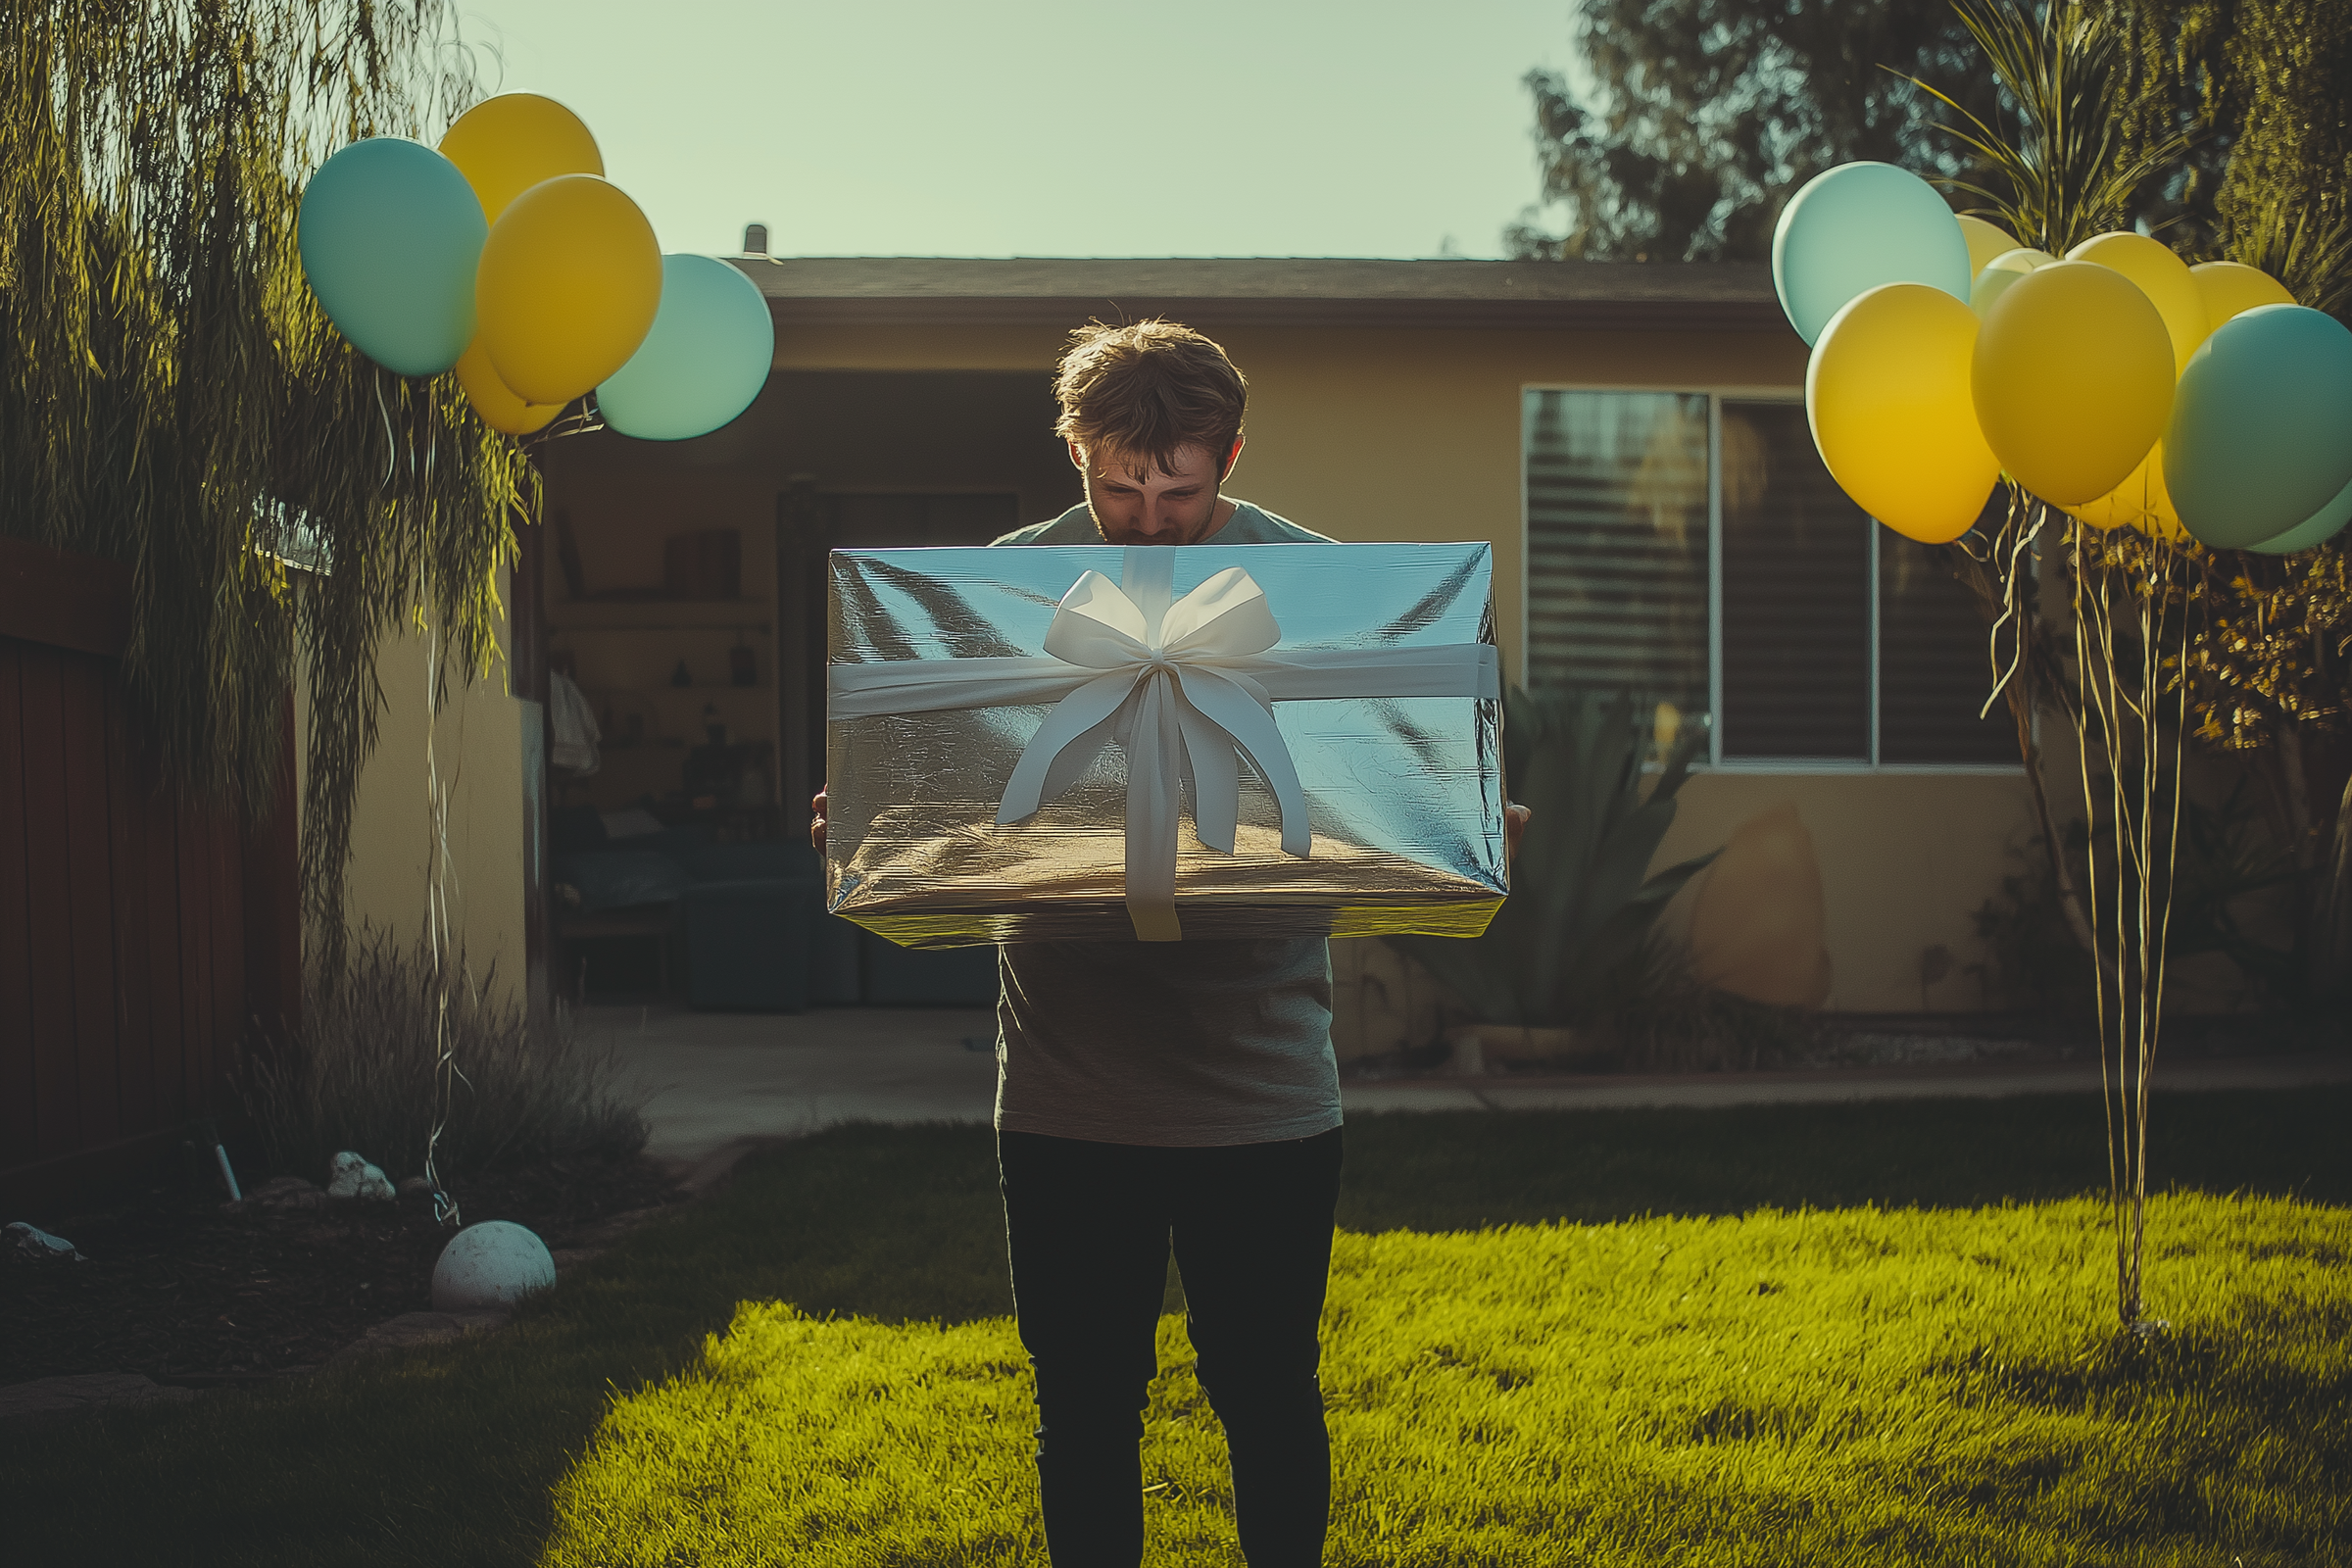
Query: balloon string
[2011, 604]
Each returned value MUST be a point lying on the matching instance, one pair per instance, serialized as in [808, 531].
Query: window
[1690, 548]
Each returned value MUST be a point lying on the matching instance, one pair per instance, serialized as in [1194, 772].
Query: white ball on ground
[493, 1264]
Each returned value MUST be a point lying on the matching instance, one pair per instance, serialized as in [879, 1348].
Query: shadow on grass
[446, 1456]
[1469, 1170]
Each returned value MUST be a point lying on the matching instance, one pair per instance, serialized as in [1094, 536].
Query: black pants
[1089, 1227]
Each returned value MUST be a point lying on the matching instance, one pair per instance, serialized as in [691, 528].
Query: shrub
[1675, 1024]
[360, 1074]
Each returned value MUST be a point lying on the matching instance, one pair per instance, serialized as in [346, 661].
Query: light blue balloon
[703, 362]
[2322, 526]
[390, 235]
[2257, 445]
[1854, 227]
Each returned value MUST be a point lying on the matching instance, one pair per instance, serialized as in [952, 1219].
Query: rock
[349, 1176]
[412, 1185]
[55, 1398]
[416, 1328]
[42, 1246]
[495, 1263]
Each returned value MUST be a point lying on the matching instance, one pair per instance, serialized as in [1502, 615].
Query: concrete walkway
[723, 1080]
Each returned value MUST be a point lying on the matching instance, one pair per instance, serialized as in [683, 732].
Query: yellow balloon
[1985, 242]
[1886, 393]
[2072, 380]
[570, 280]
[1994, 277]
[506, 145]
[494, 400]
[2228, 287]
[2140, 501]
[2161, 276]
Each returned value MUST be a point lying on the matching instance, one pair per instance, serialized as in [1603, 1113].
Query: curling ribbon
[1184, 689]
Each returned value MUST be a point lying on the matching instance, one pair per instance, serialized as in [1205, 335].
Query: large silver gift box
[1099, 743]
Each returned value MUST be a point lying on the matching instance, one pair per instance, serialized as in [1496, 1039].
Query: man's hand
[817, 821]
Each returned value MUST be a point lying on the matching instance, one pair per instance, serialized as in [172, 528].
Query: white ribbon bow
[1182, 688]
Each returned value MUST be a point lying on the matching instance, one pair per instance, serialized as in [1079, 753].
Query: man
[1150, 1093]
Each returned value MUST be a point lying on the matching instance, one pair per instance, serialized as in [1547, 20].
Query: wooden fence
[141, 935]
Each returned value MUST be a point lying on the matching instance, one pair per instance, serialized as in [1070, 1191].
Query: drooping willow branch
[171, 397]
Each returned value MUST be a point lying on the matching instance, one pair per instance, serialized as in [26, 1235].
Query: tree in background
[1708, 113]
[2099, 129]
[172, 397]
[2266, 87]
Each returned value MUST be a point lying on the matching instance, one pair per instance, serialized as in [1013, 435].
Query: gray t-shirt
[1174, 1044]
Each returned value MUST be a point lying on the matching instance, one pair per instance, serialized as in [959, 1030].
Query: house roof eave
[1245, 291]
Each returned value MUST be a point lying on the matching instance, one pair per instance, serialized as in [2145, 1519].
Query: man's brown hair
[1147, 391]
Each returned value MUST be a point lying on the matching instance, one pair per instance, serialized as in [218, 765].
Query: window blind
[1795, 595]
[1619, 491]
[1617, 544]
[1934, 671]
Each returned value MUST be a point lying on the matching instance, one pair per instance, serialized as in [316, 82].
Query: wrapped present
[1015, 737]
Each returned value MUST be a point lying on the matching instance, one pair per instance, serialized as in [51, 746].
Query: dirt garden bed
[180, 1291]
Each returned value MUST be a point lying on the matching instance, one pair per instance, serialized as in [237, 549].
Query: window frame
[1873, 588]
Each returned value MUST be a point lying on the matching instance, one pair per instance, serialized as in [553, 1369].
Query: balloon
[1858, 225]
[389, 235]
[705, 359]
[2140, 501]
[569, 282]
[506, 145]
[1985, 242]
[495, 401]
[2256, 445]
[2231, 287]
[1887, 394]
[1994, 277]
[2322, 526]
[2072, 379]
[2161, 276]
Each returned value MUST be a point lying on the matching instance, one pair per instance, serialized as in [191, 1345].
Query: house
[1630, 438]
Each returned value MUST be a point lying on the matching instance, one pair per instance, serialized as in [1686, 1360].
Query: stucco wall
[477, 752]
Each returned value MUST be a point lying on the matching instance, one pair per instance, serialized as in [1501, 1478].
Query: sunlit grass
[1659, 1427]
[1857, 1385]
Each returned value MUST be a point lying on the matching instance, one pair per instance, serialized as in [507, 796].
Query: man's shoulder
[1250, 525]
[1258, 526]
[1075, 526]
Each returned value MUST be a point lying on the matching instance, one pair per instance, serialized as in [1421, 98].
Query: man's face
[1177, 506]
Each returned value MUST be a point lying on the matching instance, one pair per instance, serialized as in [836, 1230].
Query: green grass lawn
[1874, 1334]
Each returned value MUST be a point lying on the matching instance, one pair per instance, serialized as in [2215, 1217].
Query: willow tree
[173, 398]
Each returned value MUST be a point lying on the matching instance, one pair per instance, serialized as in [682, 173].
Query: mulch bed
[178, 1290]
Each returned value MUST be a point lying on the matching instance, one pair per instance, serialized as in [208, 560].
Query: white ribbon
[1184, 689]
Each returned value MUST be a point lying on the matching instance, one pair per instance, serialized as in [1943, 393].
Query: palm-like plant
[1582, 902]
[2156, 630]
[2068, 172]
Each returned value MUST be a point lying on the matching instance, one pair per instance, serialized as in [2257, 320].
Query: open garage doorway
[685, 595]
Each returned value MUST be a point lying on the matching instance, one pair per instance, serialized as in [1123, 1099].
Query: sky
[1049, 127]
